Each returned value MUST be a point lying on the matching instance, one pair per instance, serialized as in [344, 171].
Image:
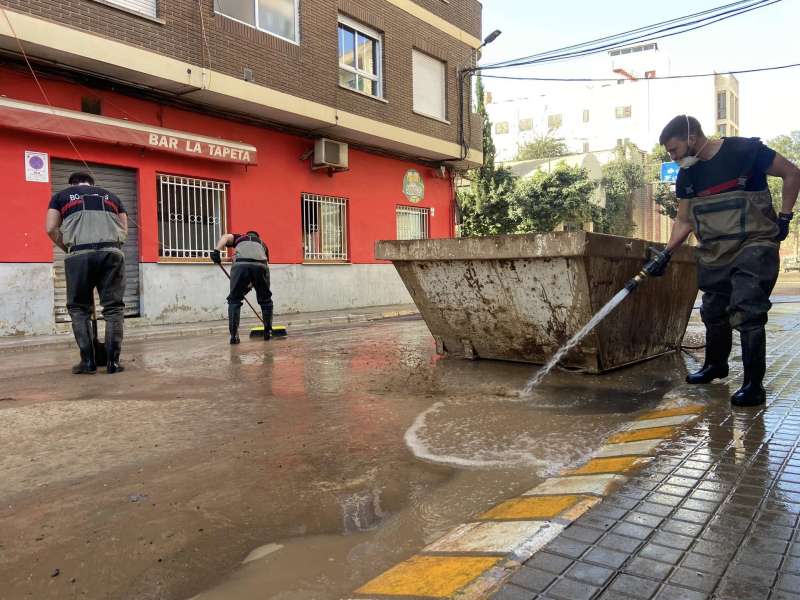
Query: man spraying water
[724, 200]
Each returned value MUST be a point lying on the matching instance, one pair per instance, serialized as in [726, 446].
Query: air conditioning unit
[329, 154]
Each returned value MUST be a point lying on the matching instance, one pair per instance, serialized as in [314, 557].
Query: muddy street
[324, 458]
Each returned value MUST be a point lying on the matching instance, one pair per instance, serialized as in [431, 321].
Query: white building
[600, 115]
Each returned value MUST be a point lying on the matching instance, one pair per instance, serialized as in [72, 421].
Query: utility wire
[684, 27]
[617, 35]
[611, 79]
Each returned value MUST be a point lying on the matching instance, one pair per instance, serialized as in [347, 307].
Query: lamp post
[462, 75]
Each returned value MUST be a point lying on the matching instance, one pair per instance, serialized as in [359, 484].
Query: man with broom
[250, 269]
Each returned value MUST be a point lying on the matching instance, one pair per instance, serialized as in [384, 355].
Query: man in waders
[724, 200]
[250, 269]
[90, 224]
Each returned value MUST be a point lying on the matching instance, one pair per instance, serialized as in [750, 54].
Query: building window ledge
[326, 262]
[135, 13]
[427, 116]
[360, 93]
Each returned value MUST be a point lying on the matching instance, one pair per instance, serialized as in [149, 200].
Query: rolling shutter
[146, 7]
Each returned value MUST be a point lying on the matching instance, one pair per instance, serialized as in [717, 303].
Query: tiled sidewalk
[715, 515]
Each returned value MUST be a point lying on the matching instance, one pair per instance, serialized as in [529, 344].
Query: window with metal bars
[192, 215]
[412, 223]
[324, 228]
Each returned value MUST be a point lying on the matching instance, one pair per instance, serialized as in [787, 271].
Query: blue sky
[770, 102]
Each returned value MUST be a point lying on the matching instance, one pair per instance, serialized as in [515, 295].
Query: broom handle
[245, 298]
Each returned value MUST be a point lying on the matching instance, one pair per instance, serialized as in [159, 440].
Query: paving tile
[782, 595]
[664, 554]
[636, 587]
[672, 540]
[692, 516]
[619, 542]
[788, 582]
[549, 562]
[765, 559]
[512, 592]
[682, 527]
[729, 588]
[756, 575]
[606, 557]
[566, 547]
[533, 579]
[632, 530]
[569, 589]
[592, 574]
[648, 568]
[486, 537]
[791, 565]
[654, 508]
[707, 564]
[582, 534]
[670, 592]
[700, 581]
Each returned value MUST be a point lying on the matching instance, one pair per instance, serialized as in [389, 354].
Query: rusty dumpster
[520, 297]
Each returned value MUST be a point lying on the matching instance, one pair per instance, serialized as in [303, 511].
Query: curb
[65, 341]
[474, 559]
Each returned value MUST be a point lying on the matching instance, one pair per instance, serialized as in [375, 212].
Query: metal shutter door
[123, 182]
[146, 7]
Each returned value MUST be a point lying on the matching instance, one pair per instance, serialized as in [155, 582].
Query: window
[359, 58]
[412, 223]
[585, 147]
[622, 112]
[324, 228]
[278, 17]
[191, 216]
[585, 115]
[722, 130]
[146, 7]
[553, 121]
[735, 105]
[525, 124]
[722, 105]
[501, 127]
[429, 85]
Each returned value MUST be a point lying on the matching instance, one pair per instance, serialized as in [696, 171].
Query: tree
[542, 146]
[789, 147]
[485, 204]
[621, 179]
[546, 200]
[663, 195]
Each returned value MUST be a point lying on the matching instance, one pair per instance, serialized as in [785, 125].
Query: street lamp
[490, 38]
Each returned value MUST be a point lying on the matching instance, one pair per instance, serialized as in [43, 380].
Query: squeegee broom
[256, 332]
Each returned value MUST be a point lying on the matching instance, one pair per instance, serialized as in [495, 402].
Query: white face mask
[689, 161]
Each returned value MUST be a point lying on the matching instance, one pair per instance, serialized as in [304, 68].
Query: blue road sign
[669, 172]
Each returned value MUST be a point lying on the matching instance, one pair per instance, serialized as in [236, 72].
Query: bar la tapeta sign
[214, 151]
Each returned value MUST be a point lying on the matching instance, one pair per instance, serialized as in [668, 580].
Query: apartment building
[324, 124]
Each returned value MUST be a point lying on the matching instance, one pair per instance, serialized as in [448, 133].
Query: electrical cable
[611, 37]
[680, 28]
[614, 79]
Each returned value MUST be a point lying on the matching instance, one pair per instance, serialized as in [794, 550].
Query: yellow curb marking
[545, 507]
[429, 576]
[672, 412]
[571, 514]
[642, 434]
[615, 464]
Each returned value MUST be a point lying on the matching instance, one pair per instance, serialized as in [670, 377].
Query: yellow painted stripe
[429, 576]
[431, 19]
[642, 434]
[543, 507]
[616, 464]
[581, 507]
[672, 412]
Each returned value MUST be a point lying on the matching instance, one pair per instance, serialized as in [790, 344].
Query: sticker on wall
[36, 166]
[413, 186]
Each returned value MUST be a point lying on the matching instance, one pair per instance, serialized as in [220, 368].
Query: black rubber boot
[234, 311]
[719, 338]
[82, 329]
[754, 359]
[266, 313]
[114, 328]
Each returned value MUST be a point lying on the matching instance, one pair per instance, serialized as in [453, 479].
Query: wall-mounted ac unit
[329, 154]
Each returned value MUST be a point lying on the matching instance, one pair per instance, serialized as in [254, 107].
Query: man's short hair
[81, 177]
[255, 233]
[677, 129]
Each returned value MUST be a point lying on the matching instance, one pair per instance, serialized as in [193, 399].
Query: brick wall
[308, 70]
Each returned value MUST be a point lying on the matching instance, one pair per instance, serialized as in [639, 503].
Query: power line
[686, 24]
[611, 79]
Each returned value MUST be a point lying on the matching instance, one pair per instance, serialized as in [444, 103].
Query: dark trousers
[739, 292]
[247, 275]
[101, 269]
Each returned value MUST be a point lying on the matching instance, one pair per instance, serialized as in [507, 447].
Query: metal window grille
[191, 216]
[412, 223]
[324, 228]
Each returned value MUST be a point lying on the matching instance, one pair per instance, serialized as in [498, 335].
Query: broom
[277, 330]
